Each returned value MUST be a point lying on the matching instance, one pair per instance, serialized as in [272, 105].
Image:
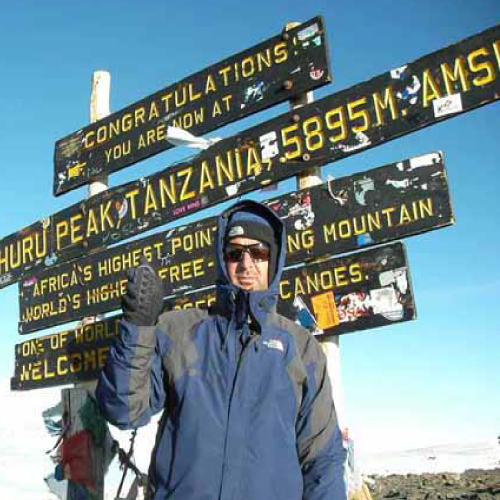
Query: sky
[426, 382]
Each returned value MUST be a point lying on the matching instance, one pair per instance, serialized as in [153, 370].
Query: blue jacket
[259, 425]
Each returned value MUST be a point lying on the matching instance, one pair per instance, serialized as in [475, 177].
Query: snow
[455, 458]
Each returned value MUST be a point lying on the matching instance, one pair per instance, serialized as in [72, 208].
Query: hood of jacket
[230, 298]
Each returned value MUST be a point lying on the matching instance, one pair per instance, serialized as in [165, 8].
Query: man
[248, 412]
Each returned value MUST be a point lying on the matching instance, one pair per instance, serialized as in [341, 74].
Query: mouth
[246, 280]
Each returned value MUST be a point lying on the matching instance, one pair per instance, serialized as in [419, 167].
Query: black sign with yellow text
[341, 295]
[436, 87]
[372, 207]
[65, 357]
[255, 79]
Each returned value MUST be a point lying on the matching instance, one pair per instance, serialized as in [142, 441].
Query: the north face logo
[274, 344]
[235, 231]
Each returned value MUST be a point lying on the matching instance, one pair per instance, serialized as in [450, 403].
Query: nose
[246, 260]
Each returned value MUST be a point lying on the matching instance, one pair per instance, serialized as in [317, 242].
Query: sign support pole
[331, 346]
[74, 399]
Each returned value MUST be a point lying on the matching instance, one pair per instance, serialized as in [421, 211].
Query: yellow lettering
[224, 72]
[426, 208]
[186, 174]
[264, 59]
[362, 114]
[355, 273]
[404, 217]
[449, 76]
[247, 67]
[496, 48]
[130, 195]
[206, 180]
[216, 109]
[153, 111]
[283, 293]
[166, 100]
[139, 115]
[254, 166]
[430, 88]
[340, 122]
[291, 141]
[315, 138]
[150, 202]
[487, 66]
[75, 228]
[92, 226]
[167, 191]
[87, 144]
[280, 52]
[387, 101]
[210, 84]
[62, 230]
[106, 217]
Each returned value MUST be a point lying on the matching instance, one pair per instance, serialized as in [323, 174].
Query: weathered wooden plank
[268, 73]
[360, 291]
[327, 130]
[372, 207]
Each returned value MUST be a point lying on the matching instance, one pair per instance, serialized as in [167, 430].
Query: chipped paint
[6, 279]
[410, 92]
[254, 93]
[360, 189]
[425, 160]
[398, 72]
[269, 145]
[308, 32]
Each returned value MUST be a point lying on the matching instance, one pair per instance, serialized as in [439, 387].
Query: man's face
[248, 273]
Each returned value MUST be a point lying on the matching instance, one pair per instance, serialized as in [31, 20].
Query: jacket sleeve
[130, 387]
[319, 440]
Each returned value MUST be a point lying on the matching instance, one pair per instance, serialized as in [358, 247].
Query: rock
[473, 484]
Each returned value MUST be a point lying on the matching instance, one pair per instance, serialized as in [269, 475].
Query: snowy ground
[443, 458]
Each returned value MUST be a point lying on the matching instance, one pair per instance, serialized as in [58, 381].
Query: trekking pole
[125, 461]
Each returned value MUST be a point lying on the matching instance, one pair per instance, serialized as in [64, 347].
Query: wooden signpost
[268, 73]
[344, 294]
[436, 87]
[372, 207]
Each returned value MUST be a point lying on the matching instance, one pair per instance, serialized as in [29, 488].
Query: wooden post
[308, 178]
[74, 399]
[99, 108]
[72, 402]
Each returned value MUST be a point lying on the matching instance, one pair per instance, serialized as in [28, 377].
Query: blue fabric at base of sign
[57, 485]
[78, 492]
[52, 418]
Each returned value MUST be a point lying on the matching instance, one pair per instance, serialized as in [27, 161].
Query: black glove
[143, 300]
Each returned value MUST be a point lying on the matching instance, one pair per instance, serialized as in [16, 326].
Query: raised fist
[143, 300]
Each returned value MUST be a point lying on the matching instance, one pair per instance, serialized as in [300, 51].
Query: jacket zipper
[234, 375]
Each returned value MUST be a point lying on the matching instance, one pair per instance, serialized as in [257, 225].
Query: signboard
[372, 207]
[359, 291]
[65, 357]
[344, 294]
[327, 130]
[271, 72]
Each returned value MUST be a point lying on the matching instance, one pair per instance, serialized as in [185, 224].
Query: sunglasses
[259, 252]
